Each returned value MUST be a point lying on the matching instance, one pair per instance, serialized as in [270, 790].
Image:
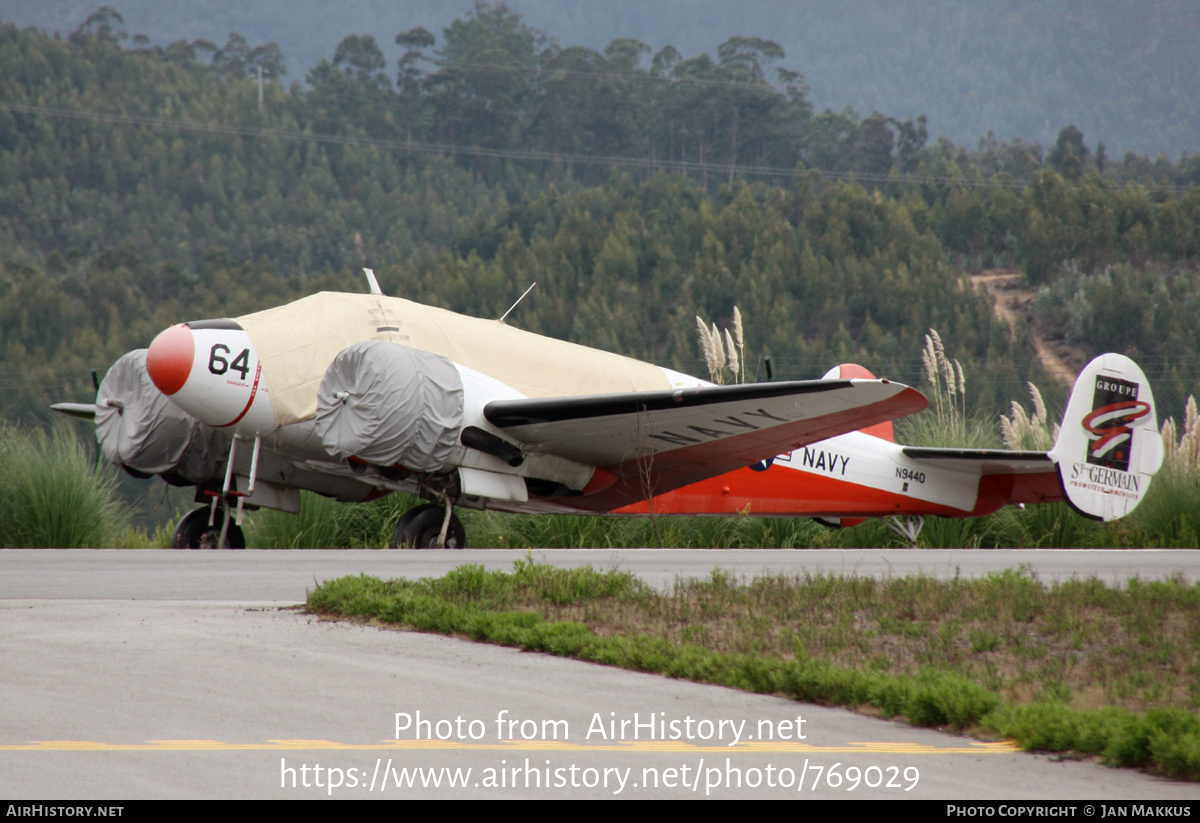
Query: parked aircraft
[357, 395]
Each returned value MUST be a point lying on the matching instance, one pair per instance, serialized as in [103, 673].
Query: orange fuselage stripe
[795, 493]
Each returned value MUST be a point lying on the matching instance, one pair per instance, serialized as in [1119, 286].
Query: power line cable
[652, 163]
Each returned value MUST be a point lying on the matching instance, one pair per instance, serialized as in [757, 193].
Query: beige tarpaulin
[297, 342]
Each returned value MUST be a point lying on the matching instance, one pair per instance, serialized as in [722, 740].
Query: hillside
[142, 184]
[1123, 72]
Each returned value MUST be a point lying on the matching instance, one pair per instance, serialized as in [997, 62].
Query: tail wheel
[193, 532]
[420, 527]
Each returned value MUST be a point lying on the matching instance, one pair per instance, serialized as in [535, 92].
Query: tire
[193, 532]
[419, 528]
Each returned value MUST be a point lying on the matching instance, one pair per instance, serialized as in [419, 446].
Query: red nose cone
[169, 361]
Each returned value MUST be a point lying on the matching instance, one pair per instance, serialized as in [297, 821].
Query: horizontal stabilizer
[85, 410]
[991, 461]
[1004, 477]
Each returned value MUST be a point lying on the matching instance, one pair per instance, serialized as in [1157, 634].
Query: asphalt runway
[158, 674]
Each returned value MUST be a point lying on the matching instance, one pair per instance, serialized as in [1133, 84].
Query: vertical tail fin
[853, 371]
[1109, 447]
[884, 430]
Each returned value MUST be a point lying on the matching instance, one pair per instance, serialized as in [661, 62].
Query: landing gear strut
[193, 532]
[421, 527]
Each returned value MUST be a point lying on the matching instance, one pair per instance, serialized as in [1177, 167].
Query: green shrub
[54, 495]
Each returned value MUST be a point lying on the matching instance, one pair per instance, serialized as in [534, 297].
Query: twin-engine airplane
[357, 395]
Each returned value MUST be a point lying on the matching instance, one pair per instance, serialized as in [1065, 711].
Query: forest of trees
[142, 185]
[1122, 70]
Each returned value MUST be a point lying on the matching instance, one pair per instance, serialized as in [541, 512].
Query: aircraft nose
[169, 361]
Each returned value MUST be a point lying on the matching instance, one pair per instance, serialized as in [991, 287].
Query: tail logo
[1115, 408]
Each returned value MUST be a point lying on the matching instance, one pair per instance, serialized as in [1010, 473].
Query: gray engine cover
[137, 426]
[402, 407]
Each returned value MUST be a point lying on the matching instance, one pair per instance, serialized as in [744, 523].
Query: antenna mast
[514, 305]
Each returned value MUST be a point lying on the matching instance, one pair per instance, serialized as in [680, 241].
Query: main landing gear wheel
[193, 532]
[420, 526]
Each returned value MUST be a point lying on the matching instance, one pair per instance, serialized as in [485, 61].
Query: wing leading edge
[653, 442]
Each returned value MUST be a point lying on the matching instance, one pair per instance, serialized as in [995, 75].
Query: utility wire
[718, 169]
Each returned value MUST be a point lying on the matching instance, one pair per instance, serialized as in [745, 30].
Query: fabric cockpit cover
[138, 427]
[390, 405]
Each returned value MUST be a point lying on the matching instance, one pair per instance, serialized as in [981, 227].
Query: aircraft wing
[1017, 476]
[662, 440]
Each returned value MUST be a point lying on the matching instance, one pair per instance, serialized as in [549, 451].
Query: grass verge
[1078, 667]
[53, 494]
